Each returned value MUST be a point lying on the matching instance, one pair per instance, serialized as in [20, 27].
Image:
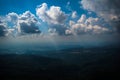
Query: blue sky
[20, 6]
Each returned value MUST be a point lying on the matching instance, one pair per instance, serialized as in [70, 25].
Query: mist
[48, 42]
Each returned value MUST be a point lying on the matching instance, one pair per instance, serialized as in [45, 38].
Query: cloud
[68, 7]
[27, 23]
[41, 12]
[82, 18]
[107, 9]
[87, 26]
[7, 25]
[56, 20]
[52, 32]
[74, 14]
[14, 24]
[68, 32]
[59, 29]
[54, 17]
[3, 29]
[12, 18]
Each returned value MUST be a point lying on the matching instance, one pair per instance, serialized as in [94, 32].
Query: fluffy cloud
[54, 17]
[12, 17]
[60, 29]
[13, 24]
[41, 12]
[27, 23]
[6, 29]
[87, 26]
[3, 29]
[68, 7]
[12, 20]
[74, 14]
[57, 23]
[82, 18]
[107, 9]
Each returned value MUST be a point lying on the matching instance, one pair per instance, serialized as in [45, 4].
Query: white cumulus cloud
[27, 23]
[12, 17]
[3, 28]
[52, 15]
[87, 26]
[74, 14]
[107, 9]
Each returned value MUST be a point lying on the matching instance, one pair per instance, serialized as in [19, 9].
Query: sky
[96, 21]
[20, 6]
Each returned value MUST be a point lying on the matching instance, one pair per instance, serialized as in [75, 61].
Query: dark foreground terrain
[66, 64]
